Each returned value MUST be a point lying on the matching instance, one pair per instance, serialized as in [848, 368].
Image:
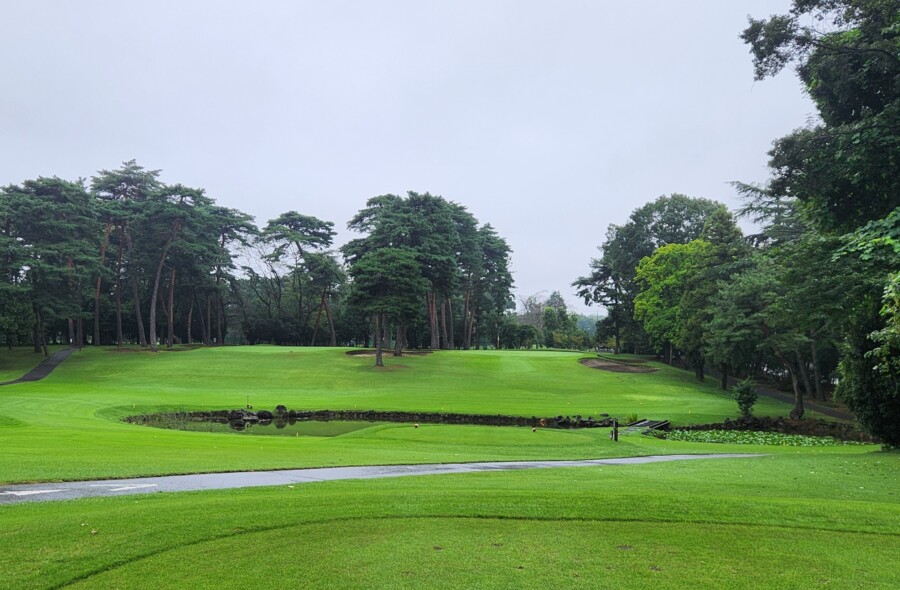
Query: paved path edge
[19, 493]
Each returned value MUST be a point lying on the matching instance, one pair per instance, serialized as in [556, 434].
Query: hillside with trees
[811, 300]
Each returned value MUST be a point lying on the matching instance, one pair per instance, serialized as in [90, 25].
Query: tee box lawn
[796, 518]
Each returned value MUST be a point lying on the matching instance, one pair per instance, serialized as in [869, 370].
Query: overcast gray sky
[550, 120]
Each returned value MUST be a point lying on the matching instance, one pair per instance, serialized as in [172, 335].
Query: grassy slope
[18, 361]
[798, 518]
[805, 519]
[66, 427]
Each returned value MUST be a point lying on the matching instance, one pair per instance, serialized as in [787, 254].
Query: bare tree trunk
[312, 341]
[36, 331]
[817, 378]
[71, 323]
[379, 340]
[99, 279]
[444, 340]
[451, 341]
[40, 342]
[170, 337]
[155, 293]
[190, 319]
[118, 294]
[804, 373]
[142, 338]
[797, 412]
[433, 321]
[204, 333]
[330, 322]
[467, 328]
[219, 338]
[699, 366]
[400, 341]
[470, 330]
[724, 383]
[153, 296]
[209, 320]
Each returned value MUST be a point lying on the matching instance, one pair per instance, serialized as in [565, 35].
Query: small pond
[276, 427]
[284, 422]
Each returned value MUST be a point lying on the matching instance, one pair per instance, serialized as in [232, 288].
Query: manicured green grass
[67, 426]
[796, 518]
[805, 519]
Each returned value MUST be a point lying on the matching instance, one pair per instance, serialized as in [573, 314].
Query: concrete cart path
[12, 494]
[44, 368]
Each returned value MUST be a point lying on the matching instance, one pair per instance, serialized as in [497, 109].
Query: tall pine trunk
[330, 322]
[433, 321]
[798, 410]
[451, 341]
[379, 340]
[118, 294]
[467, 334]
[804, 373]
[470, 329]
[204, 333]
[153, 296]
[312, 340]
[817, 378]
[103, 248]
[400, 341]
[219, 337]
[190, 318]
[170, 337]
[156, 280]
[444, 339]
[138, 317]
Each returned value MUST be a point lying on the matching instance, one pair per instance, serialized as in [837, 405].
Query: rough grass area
[716, 524]
[18, 361]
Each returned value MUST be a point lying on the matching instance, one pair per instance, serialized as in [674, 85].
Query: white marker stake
[31, 492]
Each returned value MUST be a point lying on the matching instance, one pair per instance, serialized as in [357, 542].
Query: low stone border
[240, 418]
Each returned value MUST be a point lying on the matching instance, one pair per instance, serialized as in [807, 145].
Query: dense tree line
[812, 299]
[431, 276]
[129, 259]
[546, 323]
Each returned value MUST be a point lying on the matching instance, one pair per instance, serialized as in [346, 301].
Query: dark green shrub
[744, 393]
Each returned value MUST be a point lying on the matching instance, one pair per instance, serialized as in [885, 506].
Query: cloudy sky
[550, 120]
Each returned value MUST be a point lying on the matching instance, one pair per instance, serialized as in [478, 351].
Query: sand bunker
[615, 367]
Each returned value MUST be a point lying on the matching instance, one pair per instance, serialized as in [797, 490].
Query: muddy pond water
[284, 422]
[262, 427]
